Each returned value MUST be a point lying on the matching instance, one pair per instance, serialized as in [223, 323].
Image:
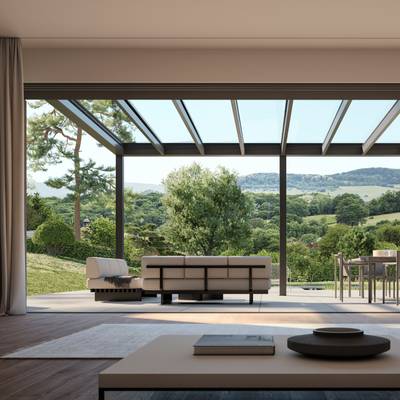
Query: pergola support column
[282, 226]
[119, 205]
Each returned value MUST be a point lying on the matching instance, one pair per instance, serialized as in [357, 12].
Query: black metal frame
[53, 92]
[169, 293]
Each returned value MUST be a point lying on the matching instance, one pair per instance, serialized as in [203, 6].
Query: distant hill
[384, 177]
[368, 182]
[46, 191]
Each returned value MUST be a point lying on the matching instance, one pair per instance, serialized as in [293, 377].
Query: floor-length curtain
[12, 179]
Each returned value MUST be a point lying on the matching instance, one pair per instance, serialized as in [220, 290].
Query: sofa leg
[166, 298]
[250, 298]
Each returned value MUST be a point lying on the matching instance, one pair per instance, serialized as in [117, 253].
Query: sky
[261, 122]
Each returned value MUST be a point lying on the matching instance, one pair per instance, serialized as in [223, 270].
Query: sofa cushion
[174, 284]
[238, 284]
[99, 267]
[206, 260]
[194, 273]
[150, 273]
[258, 273]
[249, 260]
[100, 283]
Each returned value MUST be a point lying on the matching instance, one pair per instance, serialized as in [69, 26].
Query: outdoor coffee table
[168, 363]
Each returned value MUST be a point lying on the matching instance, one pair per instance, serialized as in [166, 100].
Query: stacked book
[234, 345]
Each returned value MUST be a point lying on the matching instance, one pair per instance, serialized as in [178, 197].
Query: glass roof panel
[163, 119]
[109, 113]
[311, 120]
[361, 119]
[392, 133]
[261, 120]
[213, 120]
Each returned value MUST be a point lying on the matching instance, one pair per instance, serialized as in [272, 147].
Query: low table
[168, 363]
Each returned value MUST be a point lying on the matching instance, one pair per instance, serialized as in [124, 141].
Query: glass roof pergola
[244, 127]
[239, 120]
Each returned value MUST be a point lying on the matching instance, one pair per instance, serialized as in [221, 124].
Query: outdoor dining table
[370, 262]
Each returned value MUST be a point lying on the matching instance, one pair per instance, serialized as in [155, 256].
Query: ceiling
[203, 24]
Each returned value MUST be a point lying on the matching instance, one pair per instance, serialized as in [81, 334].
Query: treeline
[207, 213]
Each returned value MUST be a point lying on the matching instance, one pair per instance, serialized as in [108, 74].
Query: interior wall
[129, 65]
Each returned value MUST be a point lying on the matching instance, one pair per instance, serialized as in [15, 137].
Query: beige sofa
[99, 269]
[200, 276]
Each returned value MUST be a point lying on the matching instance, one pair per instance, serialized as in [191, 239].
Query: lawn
[329, 218]
[382, 217]
[48, 274]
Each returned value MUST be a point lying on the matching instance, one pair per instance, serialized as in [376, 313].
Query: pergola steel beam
[89, 123]
[261, 149]
[187, 120]
[382, 126]
[236, 116]
[209, 91]
[286, 125]
[282, 226]
[341, 112]
[141, 124]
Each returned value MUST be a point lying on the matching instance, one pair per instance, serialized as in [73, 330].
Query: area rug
[115, 341]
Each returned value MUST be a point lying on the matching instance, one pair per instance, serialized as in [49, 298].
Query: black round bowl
[340, 343]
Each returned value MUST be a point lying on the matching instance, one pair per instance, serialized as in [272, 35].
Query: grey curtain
[12, 179]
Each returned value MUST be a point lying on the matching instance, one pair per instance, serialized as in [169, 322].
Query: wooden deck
[77, 379]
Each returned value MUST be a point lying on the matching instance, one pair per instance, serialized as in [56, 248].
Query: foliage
[206, 213]
[265, 239]
[329, 243]
[350, 209]
[37, 211]
[148, 238]
[101, 232]
[357, 242]
[389, 233]
[55, 235]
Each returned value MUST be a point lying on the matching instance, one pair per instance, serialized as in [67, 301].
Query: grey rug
[115, 341]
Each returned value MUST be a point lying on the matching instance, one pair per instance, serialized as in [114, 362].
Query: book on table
[234, 345]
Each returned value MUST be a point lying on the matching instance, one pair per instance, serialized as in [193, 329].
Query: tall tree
[206, 213]
[351, 210]
[53, 138]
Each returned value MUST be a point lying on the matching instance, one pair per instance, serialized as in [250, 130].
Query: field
[329, 218]
[383, 217]
[48, 274]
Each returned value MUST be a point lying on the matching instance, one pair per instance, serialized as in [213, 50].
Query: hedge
[81, 250]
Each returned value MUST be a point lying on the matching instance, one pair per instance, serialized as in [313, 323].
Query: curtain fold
[12, 179]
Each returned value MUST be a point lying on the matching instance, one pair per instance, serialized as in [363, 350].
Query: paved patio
[297, 301]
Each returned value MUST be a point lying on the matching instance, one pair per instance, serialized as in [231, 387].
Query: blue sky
[261, 122]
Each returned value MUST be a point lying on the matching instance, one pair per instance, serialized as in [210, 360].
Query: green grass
[383, 217]
[48, 274]
[330, 218]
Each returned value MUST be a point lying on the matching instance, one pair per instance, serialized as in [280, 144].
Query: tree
[52, 138]
[37, 211]
[351, 210]
[265, 239]
[357, 242]
[101, 232]
[329, 243]
[389, 233]
[206, 213]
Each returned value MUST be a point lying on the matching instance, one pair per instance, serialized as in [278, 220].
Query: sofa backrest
[99, 267]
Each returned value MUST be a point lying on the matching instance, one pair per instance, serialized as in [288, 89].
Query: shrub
[357, 242]
[101, 232]
[54, 235]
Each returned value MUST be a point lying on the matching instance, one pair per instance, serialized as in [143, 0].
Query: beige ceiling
[203, 23]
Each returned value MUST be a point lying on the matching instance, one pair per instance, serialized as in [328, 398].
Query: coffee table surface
[168, 363]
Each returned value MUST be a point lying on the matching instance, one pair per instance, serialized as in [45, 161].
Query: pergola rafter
[382, 126]
[238, 124]
[286, 124]
[234, 92]
[89, 123]
[141, 124]
[187, 120]
[341, 112]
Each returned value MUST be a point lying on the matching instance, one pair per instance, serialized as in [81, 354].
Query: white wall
[202, 66]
